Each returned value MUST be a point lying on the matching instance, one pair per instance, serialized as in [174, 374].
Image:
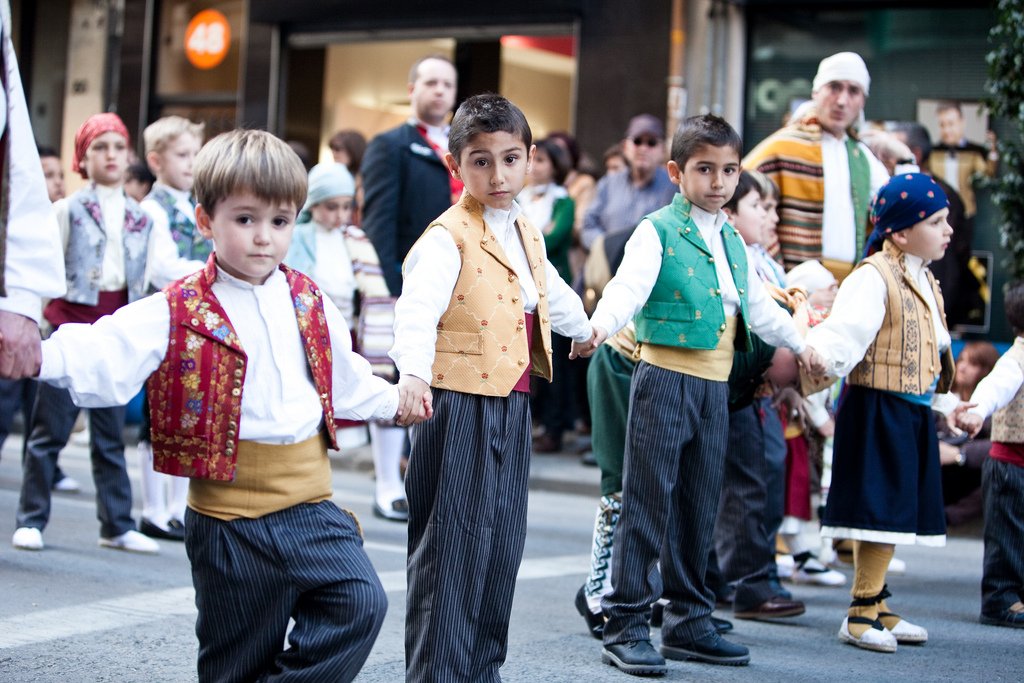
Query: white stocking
[386, 443]
[154, 498]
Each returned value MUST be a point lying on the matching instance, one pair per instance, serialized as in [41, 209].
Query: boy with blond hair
[172, 143]
[248, 365]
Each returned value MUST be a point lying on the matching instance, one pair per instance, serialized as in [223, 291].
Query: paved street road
[76, 612]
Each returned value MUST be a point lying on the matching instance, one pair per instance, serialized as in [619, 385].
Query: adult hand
[21, 350]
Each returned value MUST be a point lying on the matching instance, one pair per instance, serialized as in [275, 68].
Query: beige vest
[904, 356]
[1008, 421]
[481, 338]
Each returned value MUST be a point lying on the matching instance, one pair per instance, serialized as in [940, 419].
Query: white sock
[154, 498]
[178, 497]
[790, 532]
[386, 443]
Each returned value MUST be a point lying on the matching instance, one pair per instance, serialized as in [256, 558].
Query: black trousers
[1002, 580]
[305, 562]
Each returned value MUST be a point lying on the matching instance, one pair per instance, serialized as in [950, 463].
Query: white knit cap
[842, 66]
[810, 275]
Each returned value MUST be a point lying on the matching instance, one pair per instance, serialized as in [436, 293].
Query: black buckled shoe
[1011, 617]
[637, 657]
[595, 622]
[712, 649]
[172, 533]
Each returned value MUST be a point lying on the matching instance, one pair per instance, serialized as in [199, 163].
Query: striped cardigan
[791, 157]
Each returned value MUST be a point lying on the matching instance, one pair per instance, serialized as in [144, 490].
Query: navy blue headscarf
[903, 202]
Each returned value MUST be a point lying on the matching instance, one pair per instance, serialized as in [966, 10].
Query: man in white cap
[826, 176]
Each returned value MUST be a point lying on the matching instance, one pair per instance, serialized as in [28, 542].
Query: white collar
[104, 193]
[502, 217]
[227, 278]
[705, 220]
[178, 195]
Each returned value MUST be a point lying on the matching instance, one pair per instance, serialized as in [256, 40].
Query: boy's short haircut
[140, 172]
[1014, 305]
[948, 105]
[487, 113]
[705, 130]
[162, 132]
[768, 186]
[414, 70]
[251, 161]
[747, 182]
[47, 152]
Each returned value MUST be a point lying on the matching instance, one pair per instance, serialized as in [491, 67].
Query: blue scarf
[903, 202]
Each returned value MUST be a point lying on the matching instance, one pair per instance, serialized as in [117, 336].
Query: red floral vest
[195, 396]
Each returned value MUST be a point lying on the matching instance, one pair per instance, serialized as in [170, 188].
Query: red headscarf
[95, 126]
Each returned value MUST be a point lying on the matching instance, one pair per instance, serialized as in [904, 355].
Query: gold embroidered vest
[481, 344]
[904, 357]
[1008, 421]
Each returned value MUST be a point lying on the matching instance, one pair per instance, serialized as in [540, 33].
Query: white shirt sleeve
[629, 290]
[431, 271]
[33, 267]
[844, 337]
[998, 388]
[163, 263]
[106, 363]
[358, 394]
[769, 320]
[565, 307]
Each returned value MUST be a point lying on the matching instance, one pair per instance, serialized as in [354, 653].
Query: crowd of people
[789, 347]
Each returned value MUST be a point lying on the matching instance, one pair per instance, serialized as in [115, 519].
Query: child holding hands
[887, 333]
[248, 365]
[692, 312]
[474, 321]
[1001, 394]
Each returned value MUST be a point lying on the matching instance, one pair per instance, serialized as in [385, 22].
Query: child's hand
[814, 363]
[414, 401]
[587, 348]
[969, 422]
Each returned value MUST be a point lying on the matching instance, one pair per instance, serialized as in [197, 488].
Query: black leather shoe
[169, 534]
[658, 616]
[595, 622]
[1008, 617]
[712, 649]
[399, 511]
[637, 657]
[774, 608]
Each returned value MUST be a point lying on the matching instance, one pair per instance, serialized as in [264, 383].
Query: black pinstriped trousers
[1002, 581]
[305, 562]
[675, 448]
[467, 491]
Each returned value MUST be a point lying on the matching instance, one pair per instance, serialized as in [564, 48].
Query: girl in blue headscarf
[887, 334]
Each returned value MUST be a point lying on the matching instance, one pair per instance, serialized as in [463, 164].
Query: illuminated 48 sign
[207, 39]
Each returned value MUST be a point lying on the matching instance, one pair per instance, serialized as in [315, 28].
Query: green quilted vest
[685, 306]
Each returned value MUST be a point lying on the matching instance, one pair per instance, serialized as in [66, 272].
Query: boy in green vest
[691, 314]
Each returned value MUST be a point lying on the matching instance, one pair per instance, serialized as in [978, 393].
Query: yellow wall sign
[207, 39]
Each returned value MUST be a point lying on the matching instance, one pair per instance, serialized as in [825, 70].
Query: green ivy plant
[1006, 101]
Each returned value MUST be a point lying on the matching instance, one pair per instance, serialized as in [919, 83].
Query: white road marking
[34, 628]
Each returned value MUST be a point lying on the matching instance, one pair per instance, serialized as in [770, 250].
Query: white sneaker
[27, 538]
[905, 632]
[131, 541]
[810, 570]
[872, 639]
[67, 485]
[897, 566]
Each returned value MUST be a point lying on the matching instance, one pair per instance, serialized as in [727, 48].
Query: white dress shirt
[33, 265]
[998, 388]
[431, 272]
[838, 232]
[629, 290]
[161, 237]
[856, 317]
[106, 363]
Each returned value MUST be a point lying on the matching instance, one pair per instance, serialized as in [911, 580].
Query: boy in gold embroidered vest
[692, 311]
[887, 331]
[474, 320]
[1002, 393]
[248, 366]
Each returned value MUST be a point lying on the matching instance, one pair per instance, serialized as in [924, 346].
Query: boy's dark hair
[1014, 305]
[139, 172]
[706, 130]
[45, 152]
[560, 162]
[487, 113]
[747, 182]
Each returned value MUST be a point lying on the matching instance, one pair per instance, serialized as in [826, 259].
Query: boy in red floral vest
[248, 366]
